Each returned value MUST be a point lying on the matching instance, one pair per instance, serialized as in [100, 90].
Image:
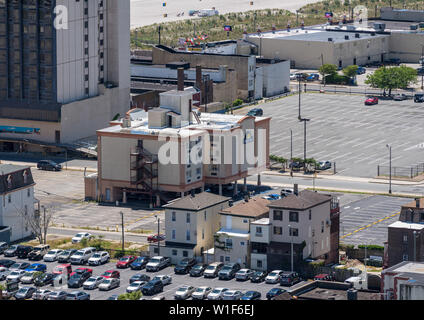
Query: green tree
[350, 71]
[392, 78]
[327, 70]
[136, 295]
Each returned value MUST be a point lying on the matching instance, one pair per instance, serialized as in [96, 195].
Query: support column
[124, 197]
[220, 189]
[245, 185]
[157, 201]
[235, 188]
[259, 179]
[203, 188]
[182, 194]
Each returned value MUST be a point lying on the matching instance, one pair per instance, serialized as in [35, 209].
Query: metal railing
[408, 172]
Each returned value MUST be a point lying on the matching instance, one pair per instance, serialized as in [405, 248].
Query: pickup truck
[158, 263]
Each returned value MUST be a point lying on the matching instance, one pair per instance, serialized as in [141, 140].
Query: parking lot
[168, 290]
[344, 131]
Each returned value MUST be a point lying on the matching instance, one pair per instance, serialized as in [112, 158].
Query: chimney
[199, 76]
[180, 79]
[296, 189]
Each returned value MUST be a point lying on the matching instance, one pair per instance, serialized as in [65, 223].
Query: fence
[408, 172]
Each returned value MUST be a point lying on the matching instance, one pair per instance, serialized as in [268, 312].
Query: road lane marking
[369, 225]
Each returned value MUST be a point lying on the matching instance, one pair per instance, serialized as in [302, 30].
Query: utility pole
[122, 227]
[44, 224]
[304, 120]
[291, 144]
[159, 30]
[300, 92]
[422, 65]
[158, 234]
[390, 167]
[415, 245]
[254, 22]
[291, 255]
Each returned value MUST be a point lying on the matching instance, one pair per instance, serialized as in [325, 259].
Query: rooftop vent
[357, 35]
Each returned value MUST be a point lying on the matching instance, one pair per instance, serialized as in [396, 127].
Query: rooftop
[304, 200]
[263, 221]
[407, 225]
[412, 204]
[234, 233]
[6, 169]
[197, 202]
[407, 267]
[254, 208]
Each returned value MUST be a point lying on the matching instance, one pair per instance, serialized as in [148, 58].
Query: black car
[256, 112]
[78, 279]
[258, 276]
[419, 97]
[152, 287]
[274, 292]
[184, 266]
[139, 277]
[48, 165]
[66, 255]
[289, 278]
[228, 271]
[44, 279]
[6, 263]
[296, 165]
[23, 251]
[251, 295]
[11, 251]
[20, 265]
[198, 269]
[3, 247]
[139, 263]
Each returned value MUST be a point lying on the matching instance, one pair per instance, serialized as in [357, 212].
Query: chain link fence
[407, 172]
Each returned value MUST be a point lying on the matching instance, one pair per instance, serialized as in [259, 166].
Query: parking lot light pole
[415, 245]
[291, 255]
[122, 227]
[422, 65]
[304, 120]
[158, 219]
[300, 92]
[390, 167]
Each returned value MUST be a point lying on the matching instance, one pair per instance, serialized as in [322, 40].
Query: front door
[57, 136]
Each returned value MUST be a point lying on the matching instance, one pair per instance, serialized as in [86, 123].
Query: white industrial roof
[407, 225]
[412, 267]
[234, 233]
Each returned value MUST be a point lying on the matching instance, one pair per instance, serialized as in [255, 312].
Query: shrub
[371, 247]
[136, 295]
[237, 102]
[337, 79]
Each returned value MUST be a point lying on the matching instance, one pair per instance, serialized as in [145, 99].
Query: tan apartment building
[232, 241]
[260, 238]
[152, 152]
[190, 225]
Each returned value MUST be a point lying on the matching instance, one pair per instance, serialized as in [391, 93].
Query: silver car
[28, 277]
[99, 258]
[164, 278]
[201, 293]
[78, 295]
[15, 275]
[57, 295]
[135, 286]
[184, 292]
[92, 283]
[244, 274]
[232, 295]
[41, 294]
[109, 284]
[4, 272]
[216, 294]
[52, 255]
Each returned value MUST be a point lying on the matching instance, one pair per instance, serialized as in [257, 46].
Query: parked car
[418, 97]
[82, 270]
[82, 256]
[420, 71]
[80, 236]
[228, 271]
[78, 278]
[19, 266]
[400, 97]
[216, 294]
[198, 269]
[313, 77]
[113, 297]
[371, 101]
[272, 196]
[293, 76]
[92, 283]
[255, 112]
[125, 261]
[274, 276]
[48, 165]
[37, 267]
[65, 269]
[251, 295]
[243, 274]
[25, 293]
[28, 277]
[156, 238]
[152, 287]
[274, 292]
[289, 278]
[301, 76]
[99, 258]
[139, 263]
[44, 279]
[41, 294]
[23, 251]
[140, 277]
[15, 275]
[52, 255]
[158, 263]
[212, 270]
[184, 292]
[3, 247]
[201, 293]
[111, 274]
[78, 295]
[232, 295]
[361, 70]
[258, 276]
[184, 266]
[324, 165]
[4, 272]
[65, 255]
[323, 277]
[38, 252]
[296, 165]
[109, 284]
[164, 278]
[11, 251]
[135, 286]
[57, 295]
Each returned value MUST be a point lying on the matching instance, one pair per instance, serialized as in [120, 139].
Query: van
[419, 97]
[82, 256]
[212, 270]
[23, 251]
[38, 252]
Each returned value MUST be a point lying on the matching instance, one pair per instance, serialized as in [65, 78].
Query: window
[203, 234]
[221, 258]
[205, 214]
[188, 235]
[242, 243]
[229, 243]
[278, 215]
[405, 257]
[259, 263]
[310, 214]
[405, 238]
[9, 198]
[188, 218]
[227, 259]
[173, 235]
[174, 252]
[185, 253]
[294, 216]
[294, 232]
[258, 230]
[29, 192]
[245, 221]
[278, 230]
[422, 216]
[322, 226]
[173, 216]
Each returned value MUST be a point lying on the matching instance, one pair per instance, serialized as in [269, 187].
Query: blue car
[312, 77]
[139, 263]
[274, 292]
[37, 267]
[274, 196]
[251, 295]
[361, 70]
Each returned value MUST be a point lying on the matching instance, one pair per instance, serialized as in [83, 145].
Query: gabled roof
[197, 202]
[304, 200]
[254, 208]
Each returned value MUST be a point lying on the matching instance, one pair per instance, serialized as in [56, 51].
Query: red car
[371, 101]
[82, 270]
[111, 274]
[156, 238]
[324, 277]
[125, 262]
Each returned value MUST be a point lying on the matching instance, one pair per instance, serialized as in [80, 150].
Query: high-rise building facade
[64, 67]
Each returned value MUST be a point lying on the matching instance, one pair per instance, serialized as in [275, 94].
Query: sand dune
[146, 12]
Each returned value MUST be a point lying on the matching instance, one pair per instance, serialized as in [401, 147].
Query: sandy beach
[146, 12]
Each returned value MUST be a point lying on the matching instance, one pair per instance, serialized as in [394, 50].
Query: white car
[164, 278]
[4, 272]
[293, 76]
[28, 277]
[15, 275]
[92, 283]
[135, 286]
[99, 258]
[201, 293]
[232, 295]
[41, 294]
[80, 236]
[216, 294]
[52, 255]
[274, 276]
[184, 292]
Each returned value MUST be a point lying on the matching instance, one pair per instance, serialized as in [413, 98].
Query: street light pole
[158, 234]
[291, 256]
[390, 167]
[422, 65]
[300, 91]
[304, 120]
[415, 245]
[122, 227]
